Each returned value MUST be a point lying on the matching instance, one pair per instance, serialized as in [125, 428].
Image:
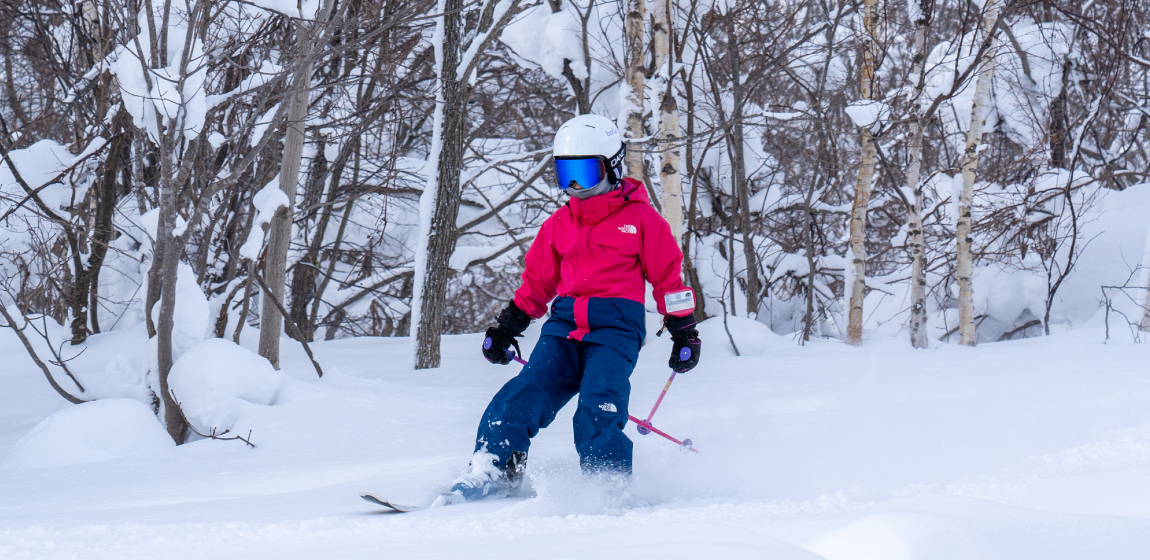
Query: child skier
[594, 253]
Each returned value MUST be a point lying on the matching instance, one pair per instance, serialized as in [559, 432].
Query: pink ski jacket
[606, 246]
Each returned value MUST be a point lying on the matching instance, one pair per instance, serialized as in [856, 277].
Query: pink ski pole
[644, 427]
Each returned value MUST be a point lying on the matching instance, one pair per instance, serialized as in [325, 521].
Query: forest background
[949, 172]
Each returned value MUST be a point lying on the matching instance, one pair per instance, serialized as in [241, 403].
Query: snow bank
[217, 380]
[752, 337]
[93, 431]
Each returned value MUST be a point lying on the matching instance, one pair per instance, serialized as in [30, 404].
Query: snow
[306, 9]
[190, 319]
[266, 202]
[262, 125]
[866, 113]
[89, 432]
[1038, 448]
[217, 380]
[546, 39]
[37, 165]
[913, 11]
[750, 336]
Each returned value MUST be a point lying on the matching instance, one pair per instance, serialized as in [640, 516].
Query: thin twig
[212, 434]
[59, 361]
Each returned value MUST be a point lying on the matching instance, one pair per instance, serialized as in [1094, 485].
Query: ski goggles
[580, 172]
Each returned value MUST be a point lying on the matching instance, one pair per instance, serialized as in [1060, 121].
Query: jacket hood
[597, 208]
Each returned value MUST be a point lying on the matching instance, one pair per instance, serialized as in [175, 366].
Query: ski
[379, 500]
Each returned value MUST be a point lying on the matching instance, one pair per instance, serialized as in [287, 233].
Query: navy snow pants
[559, 368]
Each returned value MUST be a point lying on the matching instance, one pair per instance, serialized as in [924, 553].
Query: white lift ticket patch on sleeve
[682, 300]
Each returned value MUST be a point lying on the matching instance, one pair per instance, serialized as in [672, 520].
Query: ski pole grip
[684, 354]
[487, 343]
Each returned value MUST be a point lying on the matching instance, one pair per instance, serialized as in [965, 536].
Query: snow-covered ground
[1031, 449]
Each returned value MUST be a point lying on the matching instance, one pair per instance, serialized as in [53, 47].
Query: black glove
[685, 353]
[512, 322]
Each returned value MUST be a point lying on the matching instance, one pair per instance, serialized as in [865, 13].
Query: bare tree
[439, 204]
[310, 39]
[979, 109]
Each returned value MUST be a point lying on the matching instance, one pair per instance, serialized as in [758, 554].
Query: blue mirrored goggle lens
[579, 173]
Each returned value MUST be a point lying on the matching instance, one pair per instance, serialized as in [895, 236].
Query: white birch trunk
[670, 179]
[916, 242]
[857, 285]
[979, 109]
[636, 75]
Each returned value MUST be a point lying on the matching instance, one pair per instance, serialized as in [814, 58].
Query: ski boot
[483, 480]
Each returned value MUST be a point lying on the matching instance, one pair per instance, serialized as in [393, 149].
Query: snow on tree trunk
[439, 203]
[670, 179]
[635, 75]
[916, 242]
[979, 109]
[862, 184]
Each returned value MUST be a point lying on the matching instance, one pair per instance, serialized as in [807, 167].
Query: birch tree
[980, 107]
[857, 251]
[670, 180]
[920, 15]
[635, 75]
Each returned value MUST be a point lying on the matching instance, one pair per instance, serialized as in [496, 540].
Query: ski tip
[381, 501]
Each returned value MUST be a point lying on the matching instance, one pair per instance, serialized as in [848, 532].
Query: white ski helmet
[588, 149]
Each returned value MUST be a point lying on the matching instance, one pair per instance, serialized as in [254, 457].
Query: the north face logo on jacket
[629, 229]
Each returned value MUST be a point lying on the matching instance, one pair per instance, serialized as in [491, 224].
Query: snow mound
[89, 432]
[217, 380]
[752, 337]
